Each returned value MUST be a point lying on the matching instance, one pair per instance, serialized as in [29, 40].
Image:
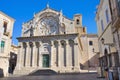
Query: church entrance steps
[24, 70]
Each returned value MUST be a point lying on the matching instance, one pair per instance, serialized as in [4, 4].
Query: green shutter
[2, 43]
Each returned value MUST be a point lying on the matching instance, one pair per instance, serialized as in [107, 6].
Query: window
[2, 45]
[102, 25]
[118, 4]
[77, 21]
[110, 60]
[90, 43]
[5, 27]
[83, 29]
[107, 15]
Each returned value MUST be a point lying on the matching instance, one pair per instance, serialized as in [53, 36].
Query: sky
[23, 10]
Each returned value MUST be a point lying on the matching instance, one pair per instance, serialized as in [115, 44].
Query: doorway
[45, 61]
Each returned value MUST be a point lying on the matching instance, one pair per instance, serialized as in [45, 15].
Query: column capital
[52, 43]
[27, 44]
[40, 42]
[20, 44]
[37, 44]
[63, 43]
[31, 44]
[67, 42]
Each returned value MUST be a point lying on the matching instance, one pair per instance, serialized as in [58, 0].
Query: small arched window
[77, 21]
[90, 43]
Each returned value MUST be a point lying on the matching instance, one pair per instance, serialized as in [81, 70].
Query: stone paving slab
[83, 76]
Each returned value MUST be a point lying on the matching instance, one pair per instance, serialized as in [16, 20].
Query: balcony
[6, 33]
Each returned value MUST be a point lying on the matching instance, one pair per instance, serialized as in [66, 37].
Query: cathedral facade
[50, 41]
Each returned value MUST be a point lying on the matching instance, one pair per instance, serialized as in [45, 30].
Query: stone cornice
[6, 16]
[47, 36]
[90, 35]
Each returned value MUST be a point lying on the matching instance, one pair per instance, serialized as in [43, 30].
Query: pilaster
[76, 56]
[53, 54]
[34, 55]
[59, 53]
[68, 54]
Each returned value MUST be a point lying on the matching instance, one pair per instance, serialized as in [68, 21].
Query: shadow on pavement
[52, 72]
[42, 72]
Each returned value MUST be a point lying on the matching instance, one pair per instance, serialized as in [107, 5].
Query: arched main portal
[46, 55]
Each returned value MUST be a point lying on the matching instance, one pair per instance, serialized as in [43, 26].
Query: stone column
[28, 55]
[40, 55]
[52, 54]
[62, 54]
[31, 53]
[68, 54]
[18, 67]
[56, 54]
[76, 55]
[59, 54]
[34, 57]
[37, 53]
[22, 55]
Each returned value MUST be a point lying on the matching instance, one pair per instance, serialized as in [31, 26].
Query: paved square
[82, 76]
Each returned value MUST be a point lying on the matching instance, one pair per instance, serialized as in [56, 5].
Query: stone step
[43, 72]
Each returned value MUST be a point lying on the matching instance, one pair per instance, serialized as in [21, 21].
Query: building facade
[6, 28]
[115, 12]
[108, 54]
[51, 41]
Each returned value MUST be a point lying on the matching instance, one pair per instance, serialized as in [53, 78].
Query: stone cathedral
[50, 41]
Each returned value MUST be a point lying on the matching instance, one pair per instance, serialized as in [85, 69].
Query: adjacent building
[13, 58]
[6, 28]
[90, 53]
[115, 12]
[106, 17]
[51, 41]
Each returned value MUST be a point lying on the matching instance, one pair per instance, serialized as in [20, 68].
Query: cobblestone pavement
[81, 76]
